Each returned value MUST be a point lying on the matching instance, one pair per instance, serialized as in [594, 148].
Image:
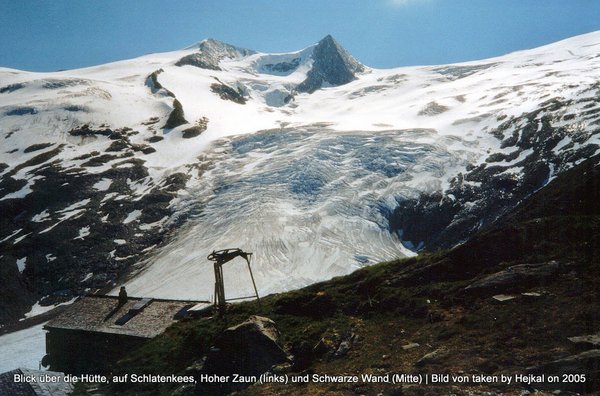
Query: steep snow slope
[314, 162]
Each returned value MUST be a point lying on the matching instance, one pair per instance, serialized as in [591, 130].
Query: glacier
[311, 203]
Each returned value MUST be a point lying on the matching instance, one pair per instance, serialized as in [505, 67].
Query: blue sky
[48, 35]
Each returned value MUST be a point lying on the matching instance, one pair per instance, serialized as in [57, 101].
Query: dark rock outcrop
[155, 86]
[479, 196]
[211, 52]
[225, 92]
[282, 67]
[71, 214]
[177, 117]
[196, 130]
[196, 59]
[36, 147]
[12, 87]
[332, 65]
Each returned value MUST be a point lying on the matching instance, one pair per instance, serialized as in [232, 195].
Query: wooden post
[253, 283]
[219, 287]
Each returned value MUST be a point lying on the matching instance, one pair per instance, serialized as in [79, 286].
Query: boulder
[345, 345]
[192, 132]
[503, 297]
[411, 345]
[248, 349]
[432, 357]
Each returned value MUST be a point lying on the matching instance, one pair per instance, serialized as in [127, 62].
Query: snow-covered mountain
[314, 162]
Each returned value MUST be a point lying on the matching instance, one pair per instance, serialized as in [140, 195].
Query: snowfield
[23, 348]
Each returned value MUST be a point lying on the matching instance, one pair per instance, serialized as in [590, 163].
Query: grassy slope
[422, 300]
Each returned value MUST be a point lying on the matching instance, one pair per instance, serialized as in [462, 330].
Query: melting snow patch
[22, 193]
[117, 258]
[120, 241]
[72, 213]
[50, 228]
[43, 216]
[83, 232]
[76, 205]
[19, 239]
[88, 276]
[38, 309]
[140, 188]
[102, 185]
[50, 257]
[148, 248]
[125, 165]
[108, 196]
[21, 263]
[148, 226]
[565, 141]
[132, 216]
[11, 235]
[503, 297]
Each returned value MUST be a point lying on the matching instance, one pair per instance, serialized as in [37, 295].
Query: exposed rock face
[483, 193]
[211, 52]
[177, 116]
[225, 92]
[85, 206]
[196, 130]
[282, 67]
[155, 86]
[248, 349]
[433, 357]
[332, 65]
[15, 291]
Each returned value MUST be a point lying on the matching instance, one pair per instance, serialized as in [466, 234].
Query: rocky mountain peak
[211, 46]
[211, 52]
[332, 65]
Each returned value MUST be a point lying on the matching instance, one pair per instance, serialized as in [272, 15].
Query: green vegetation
[423, 300]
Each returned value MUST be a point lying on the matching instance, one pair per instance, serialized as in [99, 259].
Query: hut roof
[138, 317]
